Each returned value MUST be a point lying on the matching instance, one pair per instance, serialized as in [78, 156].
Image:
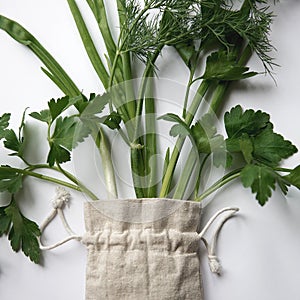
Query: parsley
[224, 66]
[4, 122]
[10, 180]
[262, 180]
[22, 232]
[251, 134]
[293, 177]
[68, 132]
[205, 135]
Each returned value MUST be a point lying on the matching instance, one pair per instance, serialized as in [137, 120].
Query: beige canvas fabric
[142, 249]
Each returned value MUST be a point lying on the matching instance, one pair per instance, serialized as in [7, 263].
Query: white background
[259, 248]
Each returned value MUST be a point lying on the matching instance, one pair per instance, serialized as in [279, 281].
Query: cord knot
[61, 198]
[214, 264]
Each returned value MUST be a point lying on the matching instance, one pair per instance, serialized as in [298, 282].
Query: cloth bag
[142, 248]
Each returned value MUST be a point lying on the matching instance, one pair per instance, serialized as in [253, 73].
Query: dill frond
[172, 22]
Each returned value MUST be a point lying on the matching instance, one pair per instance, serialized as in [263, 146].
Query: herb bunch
[218, 34]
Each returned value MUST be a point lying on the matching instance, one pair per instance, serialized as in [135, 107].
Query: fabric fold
[152, 259]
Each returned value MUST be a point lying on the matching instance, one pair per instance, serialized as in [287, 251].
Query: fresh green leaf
[62, 104]
[113, 120]
[246, 148]
[93, 106]
[251, 133]
[58, 106]
[13, 143]
[10, 180]
[5, 222]
[57, 154]
[43, 116]
[294, 177]
[270, 148]
[205, 135]
[23, 233]
[261, 179]
[222, 158]
[4, 122]
[243, 144]
[181, 128]
[282, 183]
[223, 66]
[187, 52]
[238, 122]
[224, 25]
[68, 132]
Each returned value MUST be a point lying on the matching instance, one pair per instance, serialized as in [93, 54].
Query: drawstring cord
[61, 199]
[214, 262]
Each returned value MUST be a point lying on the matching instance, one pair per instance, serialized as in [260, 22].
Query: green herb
[218, 36]
[22, 232]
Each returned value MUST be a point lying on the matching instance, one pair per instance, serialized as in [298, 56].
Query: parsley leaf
[181, 128]
[250, 122]
[68, 132]
[21, 231]
[94, 106]
[12, 142]
[294, 177]
[270, 148]
[57, 107]
[61, 104]
[113, 120]
[4, 122]
[43, 116]
[251, 134]
[10, 180]
[187, 52]
[261, 179]
[205, 135]
[4, 222]
[221, 65]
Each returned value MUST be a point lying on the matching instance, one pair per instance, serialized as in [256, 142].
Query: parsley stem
[197, 185]
[188, 90]
[67, 175]
[43, 177]
[285, 170]
[75, 180]
[180, 141]
[217, 185]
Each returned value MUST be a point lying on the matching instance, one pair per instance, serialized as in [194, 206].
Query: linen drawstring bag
[142, 248]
